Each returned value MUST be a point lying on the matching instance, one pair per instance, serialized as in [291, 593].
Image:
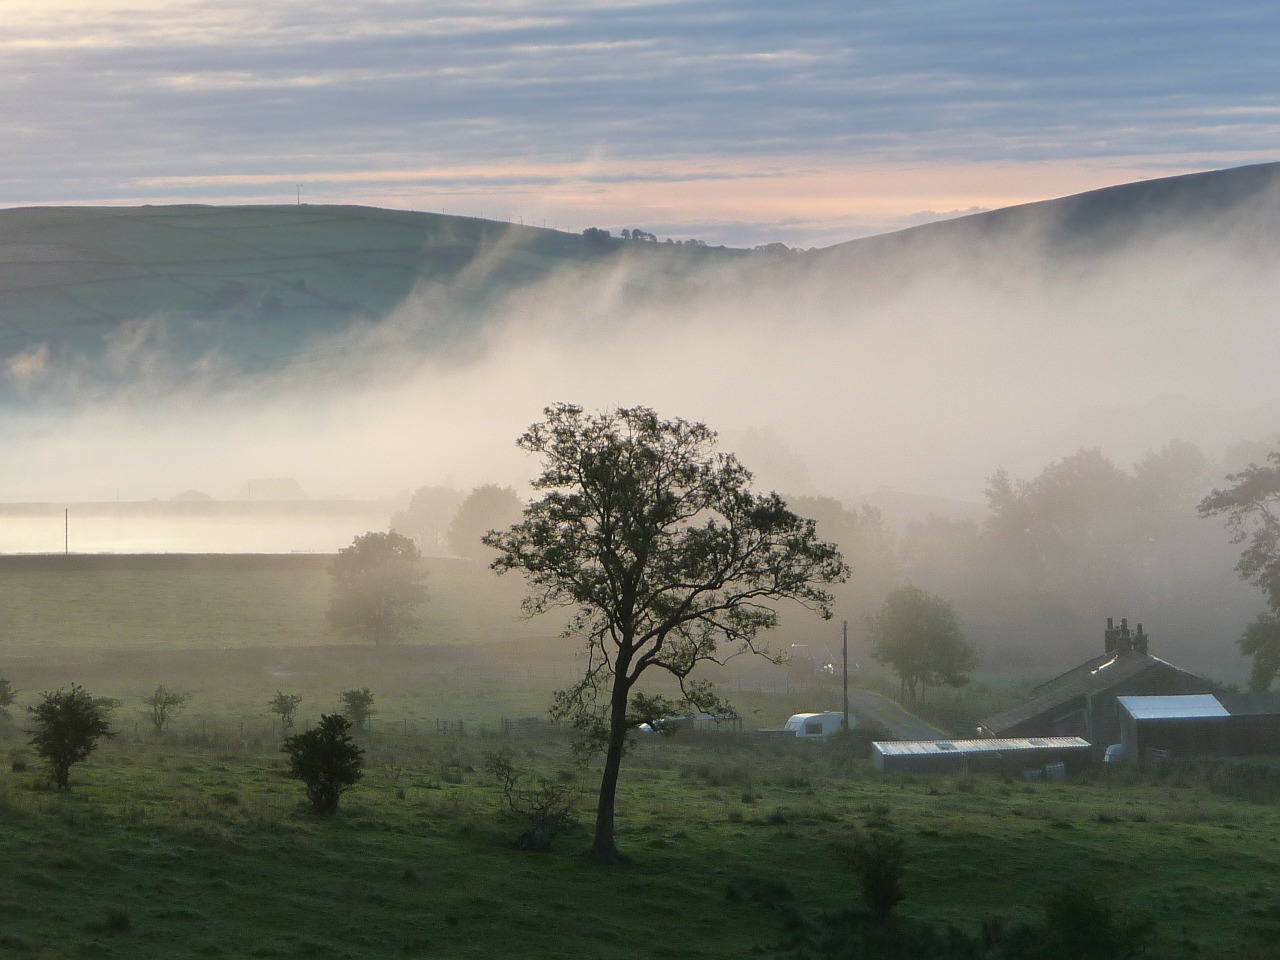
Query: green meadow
[194, 843]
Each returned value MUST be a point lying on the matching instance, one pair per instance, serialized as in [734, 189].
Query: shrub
[1080, 926]
[879, 859]
[327, 760]
[68, 726]
[545, 809]
[357, 705]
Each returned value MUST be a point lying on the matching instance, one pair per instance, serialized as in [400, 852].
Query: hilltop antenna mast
[299, 194]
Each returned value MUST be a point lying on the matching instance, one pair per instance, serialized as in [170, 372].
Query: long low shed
[934, 756]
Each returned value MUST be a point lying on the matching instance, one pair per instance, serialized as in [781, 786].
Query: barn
[1207, 725]
[986, 753]
[1083, 702]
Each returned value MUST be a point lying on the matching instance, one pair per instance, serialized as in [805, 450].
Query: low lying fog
[821, 379]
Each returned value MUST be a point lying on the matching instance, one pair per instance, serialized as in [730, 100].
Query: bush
[879, 859]
[1080, 926]
[545, 809]
[68, 726]
[357, 705]
[327, 760]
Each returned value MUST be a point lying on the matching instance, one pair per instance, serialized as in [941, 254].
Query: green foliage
[67, 727]
[1078, 925]
[7, 695]
[285, 706]
[327, 760]
[377, 588]
[162, 703]
[1261, 641]
[357, 706]
[879, 860]
[1251, 508]
[919, 636]
[663, 552]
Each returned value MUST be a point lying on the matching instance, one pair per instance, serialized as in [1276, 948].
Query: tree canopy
[378, 585]
[67, 725]
[1251, 508]
[919, 636]
[668, 559]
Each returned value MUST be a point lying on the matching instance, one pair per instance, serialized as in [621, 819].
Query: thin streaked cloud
[114, 102]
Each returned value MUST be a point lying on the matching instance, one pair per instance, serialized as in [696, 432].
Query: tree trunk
[604, 847]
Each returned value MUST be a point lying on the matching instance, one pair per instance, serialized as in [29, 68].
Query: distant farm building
[987, 753]
[1083, 702]
[1207, 725]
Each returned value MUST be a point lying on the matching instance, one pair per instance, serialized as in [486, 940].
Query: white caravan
[817, 726]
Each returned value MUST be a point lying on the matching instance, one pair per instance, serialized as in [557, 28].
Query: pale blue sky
[738, 122]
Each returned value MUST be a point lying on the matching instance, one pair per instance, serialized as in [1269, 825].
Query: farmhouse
[1207, 725]
[1083, 702]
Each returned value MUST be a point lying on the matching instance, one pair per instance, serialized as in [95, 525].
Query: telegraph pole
[844, 724]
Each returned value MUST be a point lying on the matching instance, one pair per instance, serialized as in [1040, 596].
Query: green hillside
[257, 282]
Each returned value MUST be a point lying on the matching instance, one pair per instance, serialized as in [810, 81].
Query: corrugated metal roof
[1184, 706]
[971, 747]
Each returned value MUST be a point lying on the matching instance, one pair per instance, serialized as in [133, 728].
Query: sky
[741, 123]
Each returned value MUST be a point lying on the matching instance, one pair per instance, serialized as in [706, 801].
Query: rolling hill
[254, 285]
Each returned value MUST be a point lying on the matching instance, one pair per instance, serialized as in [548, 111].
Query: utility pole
[66, 531]
[299, 194]
[844, 724]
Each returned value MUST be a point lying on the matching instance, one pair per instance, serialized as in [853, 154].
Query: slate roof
[1090, 678]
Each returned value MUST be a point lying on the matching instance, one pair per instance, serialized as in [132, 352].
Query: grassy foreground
[202, 848]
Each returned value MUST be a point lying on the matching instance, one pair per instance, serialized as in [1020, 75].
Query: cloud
[103, 99]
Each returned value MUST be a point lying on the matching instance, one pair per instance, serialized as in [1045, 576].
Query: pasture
[194, 843]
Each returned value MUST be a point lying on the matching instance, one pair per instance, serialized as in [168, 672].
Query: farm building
[1208, 725]
[987, 753]
[1083, 702]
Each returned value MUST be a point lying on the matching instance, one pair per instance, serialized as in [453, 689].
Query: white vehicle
[817, 726]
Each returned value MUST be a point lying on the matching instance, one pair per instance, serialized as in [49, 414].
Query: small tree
[666, 556]
[7, 696]
[377, 588]
[68, 726]
[162, 704]
[919, 636]
[327, 760]
[285, 706]
[357, 705]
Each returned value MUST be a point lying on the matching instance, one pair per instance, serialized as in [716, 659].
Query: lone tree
[7, 696]
[327, 760]
[357, 705]
[919, 636]
[1251, 506]
[162, 703]
[285, 706]
[68, 726]
[377, 587]
[666, 556]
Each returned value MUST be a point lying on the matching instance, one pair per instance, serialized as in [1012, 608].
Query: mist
[825, 376]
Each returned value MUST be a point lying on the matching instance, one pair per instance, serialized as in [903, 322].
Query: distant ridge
[1200, 202]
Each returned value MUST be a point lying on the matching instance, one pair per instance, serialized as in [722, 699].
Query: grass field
[194, 844]
[183, 848]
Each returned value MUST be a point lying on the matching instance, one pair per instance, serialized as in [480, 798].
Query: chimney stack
[1119, 642]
